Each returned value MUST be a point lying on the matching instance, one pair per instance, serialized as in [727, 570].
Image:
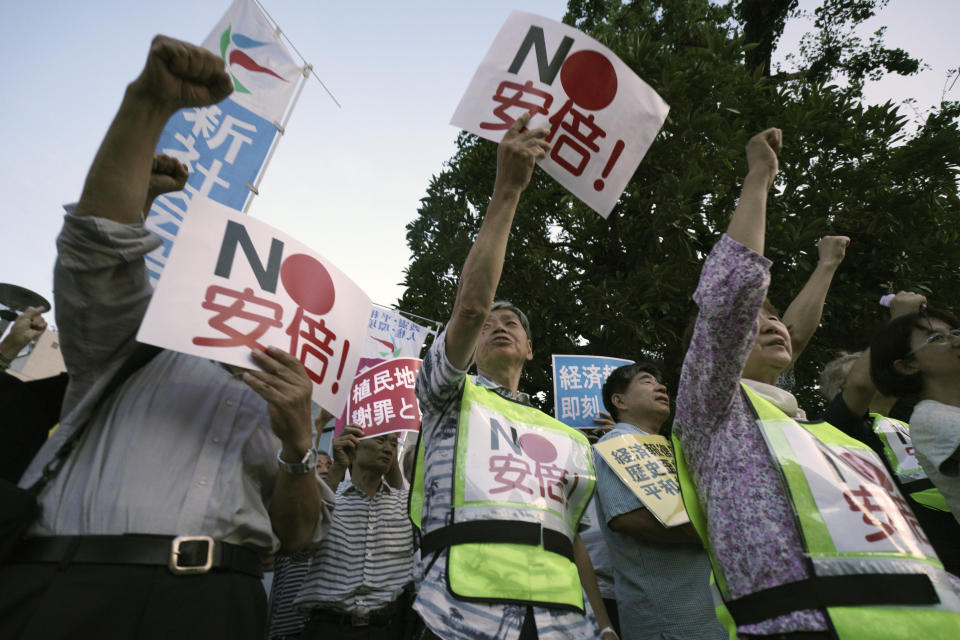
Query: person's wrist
[293, 450]
[762, 174]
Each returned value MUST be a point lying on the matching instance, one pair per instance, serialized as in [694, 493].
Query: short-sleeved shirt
[751, 526]
[664, 587]
[440, 391]
[366, 560]
[935, 429]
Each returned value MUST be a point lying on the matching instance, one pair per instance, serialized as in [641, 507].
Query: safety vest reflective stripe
[894, 435]
[519, 467]
[834, 550]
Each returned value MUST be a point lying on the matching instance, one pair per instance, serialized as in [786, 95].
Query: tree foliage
[622, 286]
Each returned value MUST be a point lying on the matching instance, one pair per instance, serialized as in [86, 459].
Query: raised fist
[178, 74]
[762, 152]
[166, 175]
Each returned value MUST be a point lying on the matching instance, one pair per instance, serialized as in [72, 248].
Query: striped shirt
[440, 390]
[366, 559]
[289, 571]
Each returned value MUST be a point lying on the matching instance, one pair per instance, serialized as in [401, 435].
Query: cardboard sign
[602, 117]
[578, 387]
[382, 398]
[645, 464]
[233, 284]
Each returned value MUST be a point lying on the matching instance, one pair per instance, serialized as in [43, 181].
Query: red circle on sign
[308, 282]
[537, 447]
[589, 79]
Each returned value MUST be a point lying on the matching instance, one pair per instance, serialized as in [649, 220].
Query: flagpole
[297, 51]
[281, 129]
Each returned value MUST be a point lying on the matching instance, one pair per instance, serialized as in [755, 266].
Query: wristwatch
[306, 465]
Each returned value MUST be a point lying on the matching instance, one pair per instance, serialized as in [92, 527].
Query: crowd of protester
[172, 482]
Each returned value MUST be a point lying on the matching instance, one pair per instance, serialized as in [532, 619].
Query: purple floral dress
[750, 521]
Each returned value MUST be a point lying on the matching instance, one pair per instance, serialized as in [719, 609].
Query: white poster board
[602, 117]
[234, 283]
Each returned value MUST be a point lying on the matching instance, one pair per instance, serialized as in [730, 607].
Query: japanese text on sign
[857, 500]
[644, 463]
[241, 285]
[601, 117]
[511, 462]
[382, 398]
[223, 146]
[578, 387]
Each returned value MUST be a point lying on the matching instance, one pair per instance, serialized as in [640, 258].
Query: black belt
[819, 592]
[378, 618]
[475, 531]
[183, 555]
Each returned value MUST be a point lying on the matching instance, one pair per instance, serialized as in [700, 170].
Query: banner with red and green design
[226, 145]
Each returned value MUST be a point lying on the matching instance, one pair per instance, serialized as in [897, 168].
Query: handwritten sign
[602, 117]
[645, 464]
[233, 284]
[382, 398]
[578, 387]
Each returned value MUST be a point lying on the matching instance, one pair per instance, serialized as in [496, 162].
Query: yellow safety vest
[885, 585]
[898, 450]
[522, 481]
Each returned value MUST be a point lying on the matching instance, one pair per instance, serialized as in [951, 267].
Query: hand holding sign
[516, 155]
[345, 445]
[178, 74]
[284, 384]
[601, 117]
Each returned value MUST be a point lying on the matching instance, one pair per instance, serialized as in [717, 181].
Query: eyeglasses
[937, 337]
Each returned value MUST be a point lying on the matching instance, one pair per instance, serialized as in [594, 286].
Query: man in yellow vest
[499, 487]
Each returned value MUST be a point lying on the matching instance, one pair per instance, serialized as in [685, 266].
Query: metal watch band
[299, 468]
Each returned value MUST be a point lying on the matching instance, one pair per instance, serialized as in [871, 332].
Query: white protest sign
[233, 284]
[602, 117]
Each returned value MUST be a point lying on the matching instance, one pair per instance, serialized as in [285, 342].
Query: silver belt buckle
[174, 563]
[358, 619]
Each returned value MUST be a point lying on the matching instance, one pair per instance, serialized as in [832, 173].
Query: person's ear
[617, 400]
[529, 349]
[905, 367]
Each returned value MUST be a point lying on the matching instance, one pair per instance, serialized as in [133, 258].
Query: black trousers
[318, 629]
[44, 601]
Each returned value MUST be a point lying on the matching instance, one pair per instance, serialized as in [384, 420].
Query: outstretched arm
[748, 224]
[516, 155]
[802, 317]
[177, 75]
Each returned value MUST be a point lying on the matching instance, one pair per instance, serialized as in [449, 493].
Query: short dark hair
[619, 379]
[892, 343]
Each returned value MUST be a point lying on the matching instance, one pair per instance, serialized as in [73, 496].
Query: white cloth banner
[263, 71]
[602, 117]
[233, 284]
